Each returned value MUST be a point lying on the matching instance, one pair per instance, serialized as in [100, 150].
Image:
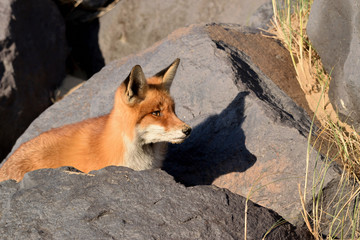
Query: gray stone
[261, 18]
[134, 25]
[334, 30]
[119, 203]
[32, 63]
[247, 133]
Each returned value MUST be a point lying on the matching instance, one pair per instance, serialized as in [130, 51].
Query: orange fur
[99, 142]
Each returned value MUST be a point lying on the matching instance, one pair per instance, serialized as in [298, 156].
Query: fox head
[148, 107]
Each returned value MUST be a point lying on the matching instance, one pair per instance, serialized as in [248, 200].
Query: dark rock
[85, 56]
[32, 54]
[82, 30]
[96, 3]
[86, 10]
[134, 25]
[119, 203]
[248, 135]
[334, 30]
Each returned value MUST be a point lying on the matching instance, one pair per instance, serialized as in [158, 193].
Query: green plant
[335, 139]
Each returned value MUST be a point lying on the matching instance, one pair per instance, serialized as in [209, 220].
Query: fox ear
[168, 74]
[136, 86]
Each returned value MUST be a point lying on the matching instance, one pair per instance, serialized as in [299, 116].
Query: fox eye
[156, 113]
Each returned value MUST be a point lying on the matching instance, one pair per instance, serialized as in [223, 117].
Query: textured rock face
[334, 30]
[247, 133]
[132, 26]
[135, 25]
[118, 203]
[32, 63]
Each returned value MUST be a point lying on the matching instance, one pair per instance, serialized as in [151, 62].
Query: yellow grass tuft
[289, 26]
[336, 140]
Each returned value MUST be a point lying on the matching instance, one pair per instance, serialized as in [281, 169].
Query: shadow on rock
[215, 147]
[85, 50]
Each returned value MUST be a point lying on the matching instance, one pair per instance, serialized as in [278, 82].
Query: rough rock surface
[32, 63]
[334, 30]
[119, 203]
[133, 26]
[248, 135]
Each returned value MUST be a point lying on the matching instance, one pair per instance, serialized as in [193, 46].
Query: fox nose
[186, 130]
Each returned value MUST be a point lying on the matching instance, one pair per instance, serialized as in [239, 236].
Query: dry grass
[335, 139]
[289, 26]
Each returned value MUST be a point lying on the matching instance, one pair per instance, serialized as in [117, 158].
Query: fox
[134, 134]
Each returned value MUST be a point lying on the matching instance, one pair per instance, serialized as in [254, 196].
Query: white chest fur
[145, 156]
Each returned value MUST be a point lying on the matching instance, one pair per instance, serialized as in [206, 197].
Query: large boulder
[248, 135]
[32, 63]
[134, 25]
[334, 31]
[112, 29]
[119, 203]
